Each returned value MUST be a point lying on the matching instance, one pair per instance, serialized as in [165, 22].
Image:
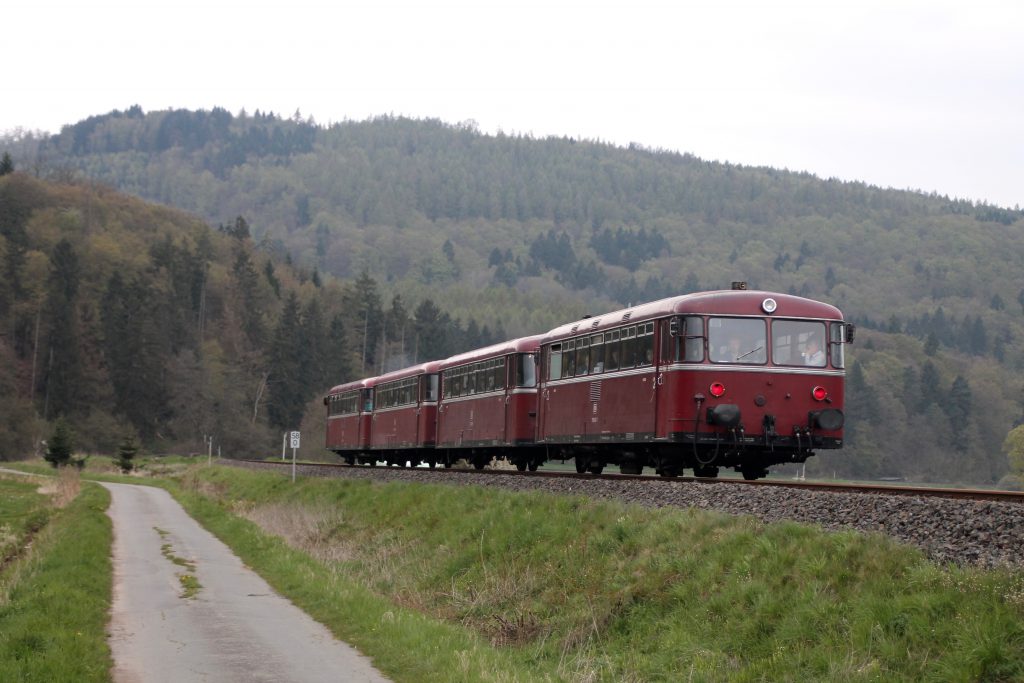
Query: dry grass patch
[63, 488]
[313, 530]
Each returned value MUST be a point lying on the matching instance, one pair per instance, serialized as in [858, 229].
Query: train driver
[813, 355]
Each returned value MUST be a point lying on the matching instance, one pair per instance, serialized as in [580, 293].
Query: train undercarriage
[667, 459]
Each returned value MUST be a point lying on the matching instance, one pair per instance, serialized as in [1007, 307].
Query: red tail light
[819, 393]
[717, 389]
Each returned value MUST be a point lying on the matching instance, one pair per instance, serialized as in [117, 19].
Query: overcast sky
[913, 94]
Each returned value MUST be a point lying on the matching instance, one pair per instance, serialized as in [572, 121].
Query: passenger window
[645, 344]
[582, 356]
[555, 361]
[597, 353]
[613, 351]
[570, 358]
[628, 347]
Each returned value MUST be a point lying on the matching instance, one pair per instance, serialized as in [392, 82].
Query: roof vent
[574, 328]
[625, 316]
[739, 285]
[594, 324]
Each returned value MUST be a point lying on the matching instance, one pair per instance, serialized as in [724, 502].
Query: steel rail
[878, 489]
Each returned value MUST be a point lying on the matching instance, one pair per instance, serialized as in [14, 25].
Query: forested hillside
[129, 318]
[521, 234]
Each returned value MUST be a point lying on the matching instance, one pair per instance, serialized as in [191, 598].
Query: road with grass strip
[187, 609]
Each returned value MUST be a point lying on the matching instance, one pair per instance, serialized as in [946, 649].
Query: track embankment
[962, 531]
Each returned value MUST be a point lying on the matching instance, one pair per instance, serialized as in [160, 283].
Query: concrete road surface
[234, 628]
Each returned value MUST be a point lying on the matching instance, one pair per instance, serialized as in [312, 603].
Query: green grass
[534, 586]
[55, 596]
[23, 512]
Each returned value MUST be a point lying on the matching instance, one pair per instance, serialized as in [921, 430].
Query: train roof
[413, 371]
[721, 302]
[520, 345]
[351, 386]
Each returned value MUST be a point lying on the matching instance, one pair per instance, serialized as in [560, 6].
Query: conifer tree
[338, 364]
[60, 447]
[126, 454]
[64, 362]
[288, 388]
[958, 408]
[365, 322]
[6, 164]
[930, 385]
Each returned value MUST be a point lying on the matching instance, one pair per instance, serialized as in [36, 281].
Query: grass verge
[55, 594]
[475, 584]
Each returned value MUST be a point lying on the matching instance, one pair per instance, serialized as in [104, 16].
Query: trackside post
[295, 444]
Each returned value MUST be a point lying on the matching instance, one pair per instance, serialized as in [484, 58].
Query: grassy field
[475, 584]
[55, 580]
[470, 584]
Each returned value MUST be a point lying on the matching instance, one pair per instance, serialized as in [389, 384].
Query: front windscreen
[798, 342]
[737, 340]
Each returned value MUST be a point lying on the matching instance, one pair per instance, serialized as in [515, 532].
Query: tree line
[123, 320]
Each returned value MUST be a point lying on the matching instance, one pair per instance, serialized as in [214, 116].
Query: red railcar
[735, 378]
[404, 423]
[349, 415]
[488, 405]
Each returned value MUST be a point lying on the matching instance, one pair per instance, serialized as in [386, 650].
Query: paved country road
[234, 627]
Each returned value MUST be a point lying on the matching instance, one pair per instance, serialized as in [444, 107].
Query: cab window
[798, 343]
[737, 340]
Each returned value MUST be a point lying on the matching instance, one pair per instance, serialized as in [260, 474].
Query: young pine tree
[60, 446]
[126, 454]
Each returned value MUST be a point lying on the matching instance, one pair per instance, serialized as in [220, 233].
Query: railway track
[877, 489]
[963, 526]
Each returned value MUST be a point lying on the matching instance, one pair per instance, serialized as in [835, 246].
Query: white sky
[920, 94]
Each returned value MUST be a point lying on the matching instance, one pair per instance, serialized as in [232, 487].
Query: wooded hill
[130, 318]
[523, 234]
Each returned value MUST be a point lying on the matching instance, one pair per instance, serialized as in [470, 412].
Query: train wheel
[533, 465]
[521, 465]
[752, 473]
[596, 468]
[706, 471]
[581, 464]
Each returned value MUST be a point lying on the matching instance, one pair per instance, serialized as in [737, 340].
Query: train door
[510, 408]
[551, 368]
[665, 381]
[365, 417]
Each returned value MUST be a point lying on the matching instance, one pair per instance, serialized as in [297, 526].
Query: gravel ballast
[948, 530]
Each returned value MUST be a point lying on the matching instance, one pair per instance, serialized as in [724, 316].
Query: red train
[733, 378]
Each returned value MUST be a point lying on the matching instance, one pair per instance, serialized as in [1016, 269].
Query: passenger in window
[648, 357]
[813, 355]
